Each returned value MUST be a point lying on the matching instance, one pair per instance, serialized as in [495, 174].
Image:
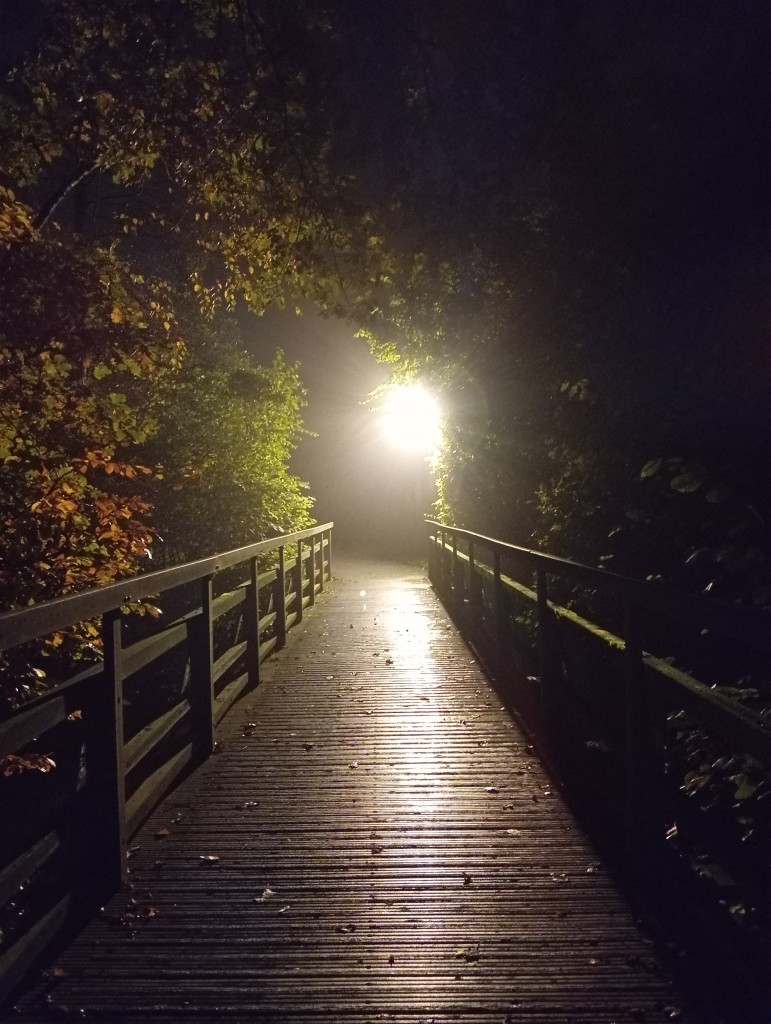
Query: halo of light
[411, 419]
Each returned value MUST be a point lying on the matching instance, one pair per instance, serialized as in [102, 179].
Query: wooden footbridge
[369, 836]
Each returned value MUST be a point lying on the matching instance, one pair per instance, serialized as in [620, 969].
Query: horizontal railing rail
[124, 731]
[625, 728]
[28, 623]
[744, 623]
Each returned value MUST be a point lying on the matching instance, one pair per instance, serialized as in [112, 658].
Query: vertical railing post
[329, 554]
[457, 590]
[472, 593]
[279, 595]
[442, 566]
[253, 624]
[499, 616]
[312, 571]
[542, 603]
[298, 582]
[105, 852]
[202, 674]
[638, 741]
[546, 653]
[321, 575]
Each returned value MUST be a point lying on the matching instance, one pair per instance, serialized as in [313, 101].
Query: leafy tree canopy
[139, 198]
[183, 125]
[542, 208]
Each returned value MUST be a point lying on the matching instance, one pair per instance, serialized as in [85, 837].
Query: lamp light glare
[411, 420]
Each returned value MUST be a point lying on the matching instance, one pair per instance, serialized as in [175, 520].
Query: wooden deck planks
[388, 849]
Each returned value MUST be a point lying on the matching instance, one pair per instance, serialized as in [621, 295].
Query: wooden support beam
[202, 674]
[312, 570]
[103, 841]
[279, 600]
[298, 582]
[252, 624]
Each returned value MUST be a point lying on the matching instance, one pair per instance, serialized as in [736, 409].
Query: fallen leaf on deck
[162, 833]
[209, 858]
[470, 954]
[15, 764]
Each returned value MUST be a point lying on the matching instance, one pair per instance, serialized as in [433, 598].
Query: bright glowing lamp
[410, 419]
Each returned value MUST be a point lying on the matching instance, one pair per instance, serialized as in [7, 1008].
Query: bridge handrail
[741, 622]
[67, 841]
[627, 734]
[29, 623]
[630, 737]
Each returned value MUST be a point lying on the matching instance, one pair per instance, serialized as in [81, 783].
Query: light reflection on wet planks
[383, 846]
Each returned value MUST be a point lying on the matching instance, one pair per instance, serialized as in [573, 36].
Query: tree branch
[58, 197]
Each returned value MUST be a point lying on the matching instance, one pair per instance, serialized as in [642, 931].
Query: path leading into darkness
[375, 841]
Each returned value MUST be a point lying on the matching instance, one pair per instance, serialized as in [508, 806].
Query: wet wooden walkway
[374, 841]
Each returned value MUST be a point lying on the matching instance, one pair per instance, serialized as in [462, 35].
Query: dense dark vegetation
[597, 297]
[555, 213]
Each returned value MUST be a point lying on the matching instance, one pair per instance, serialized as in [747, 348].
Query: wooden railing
[64, 836]
[619, 725]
